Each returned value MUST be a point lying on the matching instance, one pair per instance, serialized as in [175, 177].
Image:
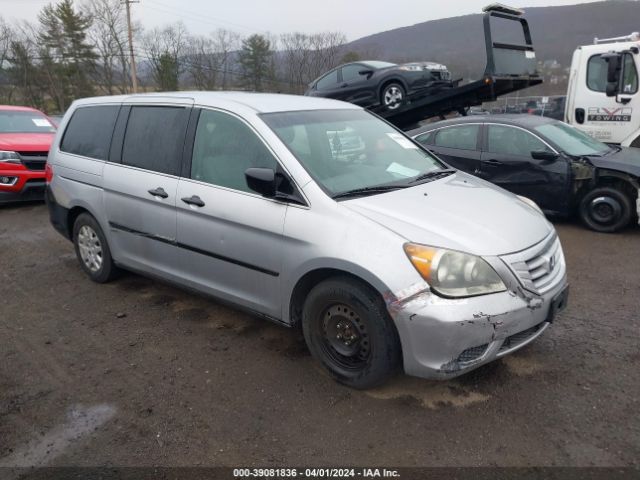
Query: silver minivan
[312, 213]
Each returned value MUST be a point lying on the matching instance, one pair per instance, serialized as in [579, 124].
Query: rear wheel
[605, 209]
[348, 330]
[92, 249]
[393, 96]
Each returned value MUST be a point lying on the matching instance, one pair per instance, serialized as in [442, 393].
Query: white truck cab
[603, 98]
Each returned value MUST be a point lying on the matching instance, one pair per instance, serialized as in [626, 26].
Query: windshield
[344, 150]
[13, 121]
[571, 140]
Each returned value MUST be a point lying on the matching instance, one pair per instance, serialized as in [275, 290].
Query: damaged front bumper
[443, 338]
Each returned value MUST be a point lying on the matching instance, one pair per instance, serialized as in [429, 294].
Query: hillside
[458, 41]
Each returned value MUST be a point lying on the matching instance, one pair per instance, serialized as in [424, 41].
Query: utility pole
[134, 74]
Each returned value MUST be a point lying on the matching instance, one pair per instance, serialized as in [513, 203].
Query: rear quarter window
[89, 131]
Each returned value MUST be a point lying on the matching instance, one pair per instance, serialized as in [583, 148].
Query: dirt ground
[137, 373]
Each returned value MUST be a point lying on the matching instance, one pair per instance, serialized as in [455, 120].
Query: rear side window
[464, 137]
[89, 131]
[426, 138]
[154, 138]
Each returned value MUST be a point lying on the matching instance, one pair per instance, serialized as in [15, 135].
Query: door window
[351, 73]
[330, 80]
[597, 74]
[464, 137]
[426, 138]
[154, 138]
[630, 75]
[224, 148]
[89, 131]
[513, 141]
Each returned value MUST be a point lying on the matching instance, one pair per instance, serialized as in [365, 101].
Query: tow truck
[602, 97]
[510, 67]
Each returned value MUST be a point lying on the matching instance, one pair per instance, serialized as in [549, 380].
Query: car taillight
[48, 172]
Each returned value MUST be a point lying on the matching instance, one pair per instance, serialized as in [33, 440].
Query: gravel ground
[137, 373]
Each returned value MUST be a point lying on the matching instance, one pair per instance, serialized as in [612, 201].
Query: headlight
[454, 274]
[9, 157]
[531, 203]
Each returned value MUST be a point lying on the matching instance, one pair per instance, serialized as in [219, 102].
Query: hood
[26, 142]
[626, 160]
[460, 212]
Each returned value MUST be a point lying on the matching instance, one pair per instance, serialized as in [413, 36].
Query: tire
[92, 249]
[393, 96]
[348, 330]
[605, 209]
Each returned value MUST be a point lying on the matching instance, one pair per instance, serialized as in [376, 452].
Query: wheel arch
[313, 277]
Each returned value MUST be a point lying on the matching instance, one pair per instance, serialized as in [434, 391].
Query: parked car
[25, 137]
[559, 167]
[386, 259]
[373, 83]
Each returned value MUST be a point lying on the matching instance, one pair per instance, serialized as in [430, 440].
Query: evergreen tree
[255, 60]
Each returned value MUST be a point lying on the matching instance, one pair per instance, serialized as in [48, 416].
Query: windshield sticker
[402, 170]
[402, 140]
[41, 122]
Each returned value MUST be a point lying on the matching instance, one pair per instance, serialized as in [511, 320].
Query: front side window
[464, 137]
[597, 74]
[224, 148]
[513, 141]
[344, 150]
[155, 138]
[571, 140]
[16, 121]
[89, 131]
[351, 73]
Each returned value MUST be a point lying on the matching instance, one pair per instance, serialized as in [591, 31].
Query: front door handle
[159, 192]
[492, 162]
[193, 200]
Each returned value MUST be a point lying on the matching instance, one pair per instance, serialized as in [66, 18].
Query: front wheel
[348, 330]
[605, 209]
[393, 96]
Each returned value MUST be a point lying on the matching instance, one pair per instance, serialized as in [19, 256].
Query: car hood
[460, 212]
[26, 142]
[626, 160]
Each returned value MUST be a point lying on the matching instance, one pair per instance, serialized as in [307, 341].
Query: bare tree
[109, 35]
[202, 62]
[226, 44]
[6, 35]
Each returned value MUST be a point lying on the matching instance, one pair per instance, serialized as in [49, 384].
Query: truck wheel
[92, 249]
[348, 330]
[605, 209]
[392, 96]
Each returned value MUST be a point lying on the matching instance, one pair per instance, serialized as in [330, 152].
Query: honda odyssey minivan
[385, 257]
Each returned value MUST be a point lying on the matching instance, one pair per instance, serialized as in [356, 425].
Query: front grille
[519, 338]
[540, 267]
[473, 353]
[34, 160]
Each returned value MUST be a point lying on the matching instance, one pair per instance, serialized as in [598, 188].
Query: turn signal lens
[48, 172]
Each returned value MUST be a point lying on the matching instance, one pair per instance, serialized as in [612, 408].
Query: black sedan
[559, 167]
[373, 83]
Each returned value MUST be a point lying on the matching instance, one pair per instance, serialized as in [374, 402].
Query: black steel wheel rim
[605, 210]
[345, 340]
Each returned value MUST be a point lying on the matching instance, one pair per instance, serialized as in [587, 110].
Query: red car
[25, 137]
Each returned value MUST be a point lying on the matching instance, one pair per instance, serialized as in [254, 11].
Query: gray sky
[356, 18]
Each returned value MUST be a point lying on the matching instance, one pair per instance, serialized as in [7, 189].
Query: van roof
[260, 102]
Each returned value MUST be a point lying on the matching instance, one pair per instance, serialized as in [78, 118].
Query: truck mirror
[614, 66]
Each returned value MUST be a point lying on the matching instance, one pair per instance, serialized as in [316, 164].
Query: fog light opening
[8, 180]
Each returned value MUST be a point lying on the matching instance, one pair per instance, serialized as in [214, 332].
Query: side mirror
[262, 181]
[613, 73]
[544, 156]
[366, 72]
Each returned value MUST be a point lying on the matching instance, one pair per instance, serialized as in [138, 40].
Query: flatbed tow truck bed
[510, 67]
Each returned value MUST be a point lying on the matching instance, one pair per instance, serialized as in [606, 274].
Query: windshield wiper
[433, 175]
[368, 191]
